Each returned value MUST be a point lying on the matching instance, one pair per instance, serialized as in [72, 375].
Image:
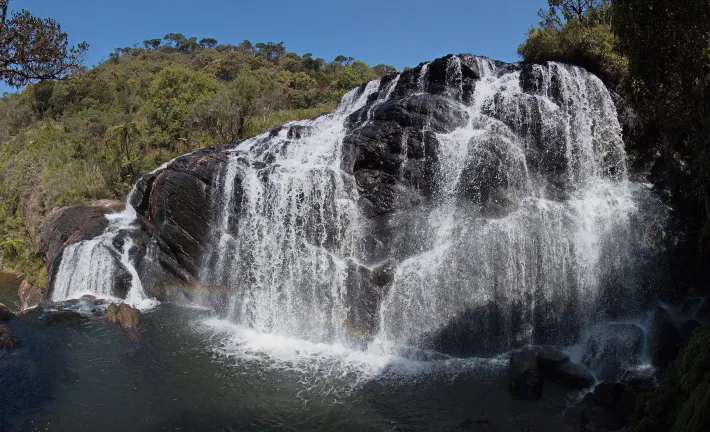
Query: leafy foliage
[90, 136]
[681, 403]
[577, 32]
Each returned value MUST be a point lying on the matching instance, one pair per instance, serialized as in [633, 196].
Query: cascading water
[528, 272]
[92, 267]
[284, 254]
[525, 236]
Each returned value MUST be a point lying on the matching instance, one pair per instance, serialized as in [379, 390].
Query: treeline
[91, 135]
[655, 54]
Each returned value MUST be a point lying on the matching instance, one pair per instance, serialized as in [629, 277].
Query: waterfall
[525, 237]
[286, 259]
[524, 267]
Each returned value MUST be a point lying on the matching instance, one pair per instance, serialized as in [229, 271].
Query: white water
[297, 225]
[503, 239]
[538, 265]
[91, 267]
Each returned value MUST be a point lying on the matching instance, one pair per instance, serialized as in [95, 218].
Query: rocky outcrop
[5, 313]
[174, 206]
[123, 315]
[7, 340]
[30, 295]
[67, 225]
[523, 375]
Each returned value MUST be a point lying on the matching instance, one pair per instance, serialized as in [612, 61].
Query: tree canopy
[33, 48]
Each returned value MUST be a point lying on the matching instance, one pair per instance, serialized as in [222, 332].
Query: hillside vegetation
[91, 135]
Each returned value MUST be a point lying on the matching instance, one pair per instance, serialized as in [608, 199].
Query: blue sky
[397, 32]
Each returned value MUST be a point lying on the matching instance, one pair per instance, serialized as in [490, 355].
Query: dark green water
[188, 371]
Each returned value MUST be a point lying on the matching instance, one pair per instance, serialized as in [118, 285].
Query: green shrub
[682, 402]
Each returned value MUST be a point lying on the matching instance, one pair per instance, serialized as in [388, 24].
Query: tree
[561, 11]
[120, 141]
[272, 51]
[384, 70]
[152, 44]
[32, 48]
[226, 117]
[173, 39]
[208, 42]
[246, 47]
[173, 92]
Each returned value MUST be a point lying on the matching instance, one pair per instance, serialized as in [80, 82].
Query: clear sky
[397, 32]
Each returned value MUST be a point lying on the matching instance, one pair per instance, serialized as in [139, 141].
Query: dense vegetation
[656, 55]
[91, 135]
[682, 403]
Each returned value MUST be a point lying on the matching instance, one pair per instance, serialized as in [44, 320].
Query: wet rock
[523, 375]
[548, 358]
[64, 317]
[601, 418]
[626, 402]
[7, 340]
[571, 375]
[639, 378]
[607, 393]
[5, 313]
[612, 348]
[123, 315]
[665, 339]
[30, 295]
[73, 224]
[609, 406]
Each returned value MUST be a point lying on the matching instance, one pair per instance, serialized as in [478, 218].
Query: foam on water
[325, 368]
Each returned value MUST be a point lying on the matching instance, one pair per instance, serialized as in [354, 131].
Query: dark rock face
[612, 348]
[523, 375]
[67, 225]
[174, 208]
[5, 313]
[30, 296]
[571, 375]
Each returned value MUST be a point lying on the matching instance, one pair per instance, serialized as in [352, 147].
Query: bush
[589, 46]
[682, 402]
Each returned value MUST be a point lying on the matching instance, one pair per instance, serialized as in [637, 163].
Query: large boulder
[523, 375]
[30, 295]
[174, 205]
[5, 313]
[571, 375]
[123, 315]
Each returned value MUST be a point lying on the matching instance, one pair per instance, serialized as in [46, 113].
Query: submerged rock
[571, 375]
[123, 315]
[5, 313]
[523, 375]
[29, 294]
[7, 340]
[548, 359]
